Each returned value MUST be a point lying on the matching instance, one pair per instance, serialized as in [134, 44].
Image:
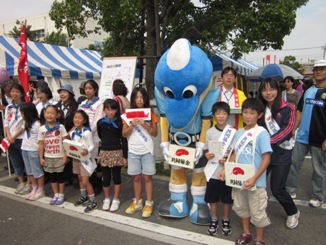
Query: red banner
[268, 59]
[22, 64]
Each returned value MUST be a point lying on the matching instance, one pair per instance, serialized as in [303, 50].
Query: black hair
[221, 105]
[21, 89]
[119, 88]
[85, 116]
[278, 100]
[134, 94]
[227, 69]
[46, 90]
[30, 113]
[93, 84]
[60, 119]
[253, 104]
[112, 104]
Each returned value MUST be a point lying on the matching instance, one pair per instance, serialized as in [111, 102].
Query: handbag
[237, 173]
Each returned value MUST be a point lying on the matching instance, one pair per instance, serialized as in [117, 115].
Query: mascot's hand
[199, 151]
[165, 147]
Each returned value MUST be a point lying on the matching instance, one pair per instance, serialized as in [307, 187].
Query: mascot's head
[183, 77]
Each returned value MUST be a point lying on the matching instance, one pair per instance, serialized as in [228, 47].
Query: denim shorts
[16, 158]
[141, 164]
[32, 163]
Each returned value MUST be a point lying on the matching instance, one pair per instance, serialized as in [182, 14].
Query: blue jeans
[16, 158]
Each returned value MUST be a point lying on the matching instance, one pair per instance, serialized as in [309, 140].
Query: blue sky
[304, 42]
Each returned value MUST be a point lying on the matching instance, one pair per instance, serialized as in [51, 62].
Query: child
[113, 154]
[30, 153]
[216, 190]
[141, 159]
[13, 128]
[93, 107]
[248, 204]
[52, 154]
[45, 97]
[82, 133]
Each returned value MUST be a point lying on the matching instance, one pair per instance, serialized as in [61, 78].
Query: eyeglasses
[265, 90]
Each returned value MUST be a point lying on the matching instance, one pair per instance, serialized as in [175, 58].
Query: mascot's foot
[200, 214]
[175, 207]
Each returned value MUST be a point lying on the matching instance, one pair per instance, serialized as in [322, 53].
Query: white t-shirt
[53, 146]
[31, 143]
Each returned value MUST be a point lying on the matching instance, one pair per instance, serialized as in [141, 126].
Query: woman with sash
[279, 121]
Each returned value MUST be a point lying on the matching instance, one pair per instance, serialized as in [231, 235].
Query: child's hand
[141, 121]
[222, 161]
[43, 163]
[65, 159]
[221, 175]
[84, 152]
[249, 183]
[209, 155]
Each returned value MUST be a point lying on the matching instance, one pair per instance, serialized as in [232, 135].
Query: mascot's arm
[165, 137]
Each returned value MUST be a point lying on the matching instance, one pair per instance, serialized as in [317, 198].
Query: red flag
[268, 59]
[22, 64]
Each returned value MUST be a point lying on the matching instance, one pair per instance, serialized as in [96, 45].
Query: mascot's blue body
[182, 80]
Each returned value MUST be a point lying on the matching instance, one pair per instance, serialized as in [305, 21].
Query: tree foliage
[148, 27]
[292, 62]
[15, 33]
[57, 38]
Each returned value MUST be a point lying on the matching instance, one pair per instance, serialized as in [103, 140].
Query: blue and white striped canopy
[221, 60]
[46, 60]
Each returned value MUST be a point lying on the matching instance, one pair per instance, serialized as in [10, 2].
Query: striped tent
[46, 60]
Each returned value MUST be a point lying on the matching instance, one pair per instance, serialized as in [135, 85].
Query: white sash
[273, 128]
[226, 139]
[145, 137]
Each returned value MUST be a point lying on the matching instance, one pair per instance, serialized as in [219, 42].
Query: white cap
[320, 63]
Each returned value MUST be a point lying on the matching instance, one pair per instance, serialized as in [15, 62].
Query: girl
[13, 128]
[290, 94]
[279, 121]
[120, 92]
[141, 159]
[52, 155]
[30, 153]
[113, 152]
[93, 107]
[82, 133]
[45, 97]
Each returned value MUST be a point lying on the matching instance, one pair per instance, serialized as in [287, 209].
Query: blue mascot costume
[182, 80]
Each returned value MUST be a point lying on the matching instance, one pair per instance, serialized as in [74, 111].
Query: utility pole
[324, 48]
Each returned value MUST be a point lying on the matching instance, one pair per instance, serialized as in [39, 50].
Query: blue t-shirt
[262, 146]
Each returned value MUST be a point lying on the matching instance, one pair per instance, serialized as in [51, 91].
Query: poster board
[182, 156]
[113, 68]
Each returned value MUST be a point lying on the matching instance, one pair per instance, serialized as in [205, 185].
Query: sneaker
[293, 220]
[133, 207]
[26, 190]
[29, 195]
[293, 195]
[53, 200]
[148, 209]
[19, 188]
[60, 201]
[82, 200]
[226, 228]
[315, 203]
[37, 195]
[106, 204]
[259, 242]
[115, 205]
[244, 238]
[212, 229]
[90, 207]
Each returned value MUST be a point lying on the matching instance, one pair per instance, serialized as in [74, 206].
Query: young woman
[141, 161]
[279, 122]
[290, 94]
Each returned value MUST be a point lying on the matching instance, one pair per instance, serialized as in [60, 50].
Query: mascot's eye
[168, 92]
[189, 91]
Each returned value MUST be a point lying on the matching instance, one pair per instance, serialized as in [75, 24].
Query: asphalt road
[26, 222]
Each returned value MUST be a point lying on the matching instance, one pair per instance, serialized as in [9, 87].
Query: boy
[216, 190]
[251, 205]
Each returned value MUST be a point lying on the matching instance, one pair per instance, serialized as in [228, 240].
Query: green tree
[15, 33]
[95, 47]
[147, 27]
[57, 38]
[292, 62]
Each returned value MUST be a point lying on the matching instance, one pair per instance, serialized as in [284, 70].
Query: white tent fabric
[46, 60]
